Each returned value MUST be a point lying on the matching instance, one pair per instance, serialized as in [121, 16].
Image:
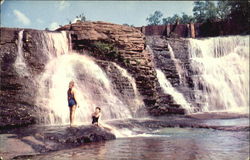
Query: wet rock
[17, 92]
[43, 139]
[177, 69]
[75, 136]
[18, 88]
[171, 121]
[121, 44]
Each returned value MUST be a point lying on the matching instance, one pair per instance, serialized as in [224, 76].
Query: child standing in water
[72, 103]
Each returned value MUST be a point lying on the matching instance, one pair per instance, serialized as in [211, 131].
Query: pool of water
[166, 143]
[228, 122]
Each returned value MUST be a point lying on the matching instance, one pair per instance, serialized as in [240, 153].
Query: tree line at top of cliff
[204, 11]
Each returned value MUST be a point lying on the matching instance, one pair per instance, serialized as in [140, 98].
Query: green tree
[171, 20]
[155, 19]
[239, 10]
[81, 17]
[223, 9]
[185, 19]
[204, 10]
[199, 11]
[166, 20]
[210, 11]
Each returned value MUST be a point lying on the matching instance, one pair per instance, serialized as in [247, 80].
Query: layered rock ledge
[123, 45]
[42, 139]
[107, 42]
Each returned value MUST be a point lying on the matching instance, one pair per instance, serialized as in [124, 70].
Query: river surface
[166, 143]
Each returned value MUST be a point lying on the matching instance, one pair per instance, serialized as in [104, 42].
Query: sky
[51, 14]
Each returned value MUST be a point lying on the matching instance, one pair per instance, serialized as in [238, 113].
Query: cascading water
[20, 64]
[55, 44]
[136, 102]
[177, 64]
[222, 73]
[92, 85]
[169, 89]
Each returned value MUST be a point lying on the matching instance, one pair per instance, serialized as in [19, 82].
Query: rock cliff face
[172, 57]
[110, 45]
[18, 89]
[121, 44]
[105, 41]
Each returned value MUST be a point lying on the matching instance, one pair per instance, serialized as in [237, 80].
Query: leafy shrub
[110, 50]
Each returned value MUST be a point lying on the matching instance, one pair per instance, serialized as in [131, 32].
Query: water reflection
[170, 143]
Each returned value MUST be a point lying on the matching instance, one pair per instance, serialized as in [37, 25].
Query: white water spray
[92, 85]
[222, 67]
[169, 89]
[177, 64]
[55, 43]
[136, 103]
[20, 64]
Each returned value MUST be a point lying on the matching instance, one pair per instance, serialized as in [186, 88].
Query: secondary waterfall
[20, 64]
[169, 89]
[177, 64]
[221, 66]
[136, 102]
[92, 85]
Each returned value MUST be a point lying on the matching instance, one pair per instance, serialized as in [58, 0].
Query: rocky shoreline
[43, 139]
[35, 140]
[179, 121]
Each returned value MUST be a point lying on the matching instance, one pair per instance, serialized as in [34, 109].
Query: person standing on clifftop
[72, 102]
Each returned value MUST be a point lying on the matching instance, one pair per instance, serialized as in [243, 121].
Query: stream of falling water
[222, 72]
[177, 64]
[169, 89]
[20, 64]
[136, 102]
[92, 85]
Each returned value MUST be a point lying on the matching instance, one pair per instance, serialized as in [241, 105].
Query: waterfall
[177, 64]
[136, 102]
[221, 67]
[93, 87]
[55, 43]
[20, 64]
[169, 89]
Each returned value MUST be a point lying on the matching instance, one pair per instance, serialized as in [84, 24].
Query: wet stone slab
[41, 139]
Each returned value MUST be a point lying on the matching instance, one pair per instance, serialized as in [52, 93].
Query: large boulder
[41, 139]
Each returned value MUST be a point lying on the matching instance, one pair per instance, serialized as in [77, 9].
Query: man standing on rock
[72, 102]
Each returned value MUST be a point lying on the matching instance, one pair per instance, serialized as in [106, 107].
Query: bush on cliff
[110, 50]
